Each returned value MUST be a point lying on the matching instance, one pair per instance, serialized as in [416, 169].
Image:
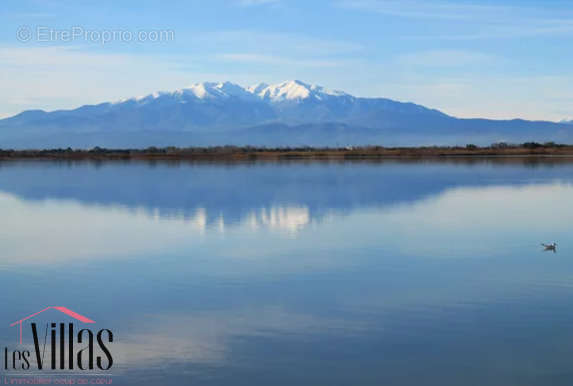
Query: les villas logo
[68, 350]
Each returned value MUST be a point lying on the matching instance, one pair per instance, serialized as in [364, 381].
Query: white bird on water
[550, 247]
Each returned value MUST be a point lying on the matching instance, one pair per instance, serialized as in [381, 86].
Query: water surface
[357, 273]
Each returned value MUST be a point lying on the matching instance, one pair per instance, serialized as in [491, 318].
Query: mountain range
[291, 113]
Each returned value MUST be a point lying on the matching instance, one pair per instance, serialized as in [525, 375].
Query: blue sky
[494, 59]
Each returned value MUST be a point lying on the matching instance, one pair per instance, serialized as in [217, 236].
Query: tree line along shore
[230, 153]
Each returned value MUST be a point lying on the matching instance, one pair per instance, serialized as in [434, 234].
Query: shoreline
[232, 153]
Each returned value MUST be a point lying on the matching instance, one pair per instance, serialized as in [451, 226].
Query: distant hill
[289, 113]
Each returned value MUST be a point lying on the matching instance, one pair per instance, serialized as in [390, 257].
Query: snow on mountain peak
[197, 89]
[284, 91]
[257, 88]
[144, 98]
[213, 90]
[291, 90]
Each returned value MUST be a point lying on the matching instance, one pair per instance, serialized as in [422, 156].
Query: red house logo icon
[63, 310]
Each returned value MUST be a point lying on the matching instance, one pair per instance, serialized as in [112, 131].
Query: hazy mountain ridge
[288, 113]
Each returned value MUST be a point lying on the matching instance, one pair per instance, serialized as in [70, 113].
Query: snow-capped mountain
[288, 113]
[285, 91]
[293, 90]
[204, 90]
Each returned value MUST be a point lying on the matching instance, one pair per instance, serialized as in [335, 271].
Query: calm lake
[300, 273]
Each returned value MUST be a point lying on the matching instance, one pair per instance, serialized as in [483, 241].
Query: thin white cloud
[495, 96]
[57, 77]
[428, 9]
[269, 43]
[277, 60]
[447, 58]
[478, 21]
[254, 3]
[530, 29]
